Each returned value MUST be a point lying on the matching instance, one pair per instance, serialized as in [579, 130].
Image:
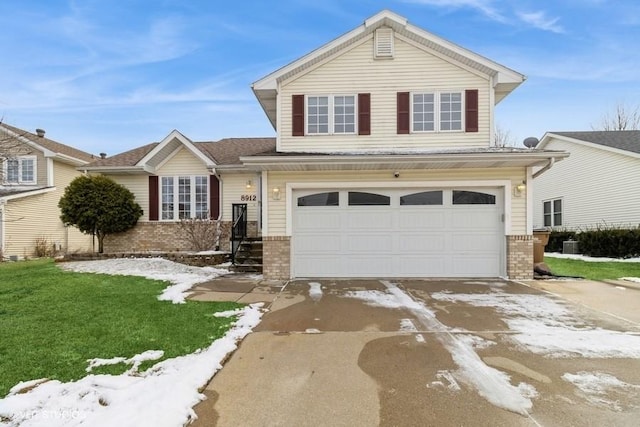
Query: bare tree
[502, 137]
[624, 117]
[11, 147]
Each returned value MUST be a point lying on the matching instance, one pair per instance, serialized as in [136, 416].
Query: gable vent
[383, 44]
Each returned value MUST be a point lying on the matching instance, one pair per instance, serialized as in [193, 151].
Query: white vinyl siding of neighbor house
[277, 208]
[38, 216]
[234, 187]
[597, 187]
[411, 70]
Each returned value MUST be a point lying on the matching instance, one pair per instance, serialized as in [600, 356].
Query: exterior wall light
[249, 183]
[519, 189]
[275, 193]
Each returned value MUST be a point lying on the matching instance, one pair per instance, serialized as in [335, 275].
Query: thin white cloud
[486, 7]
[541, 21]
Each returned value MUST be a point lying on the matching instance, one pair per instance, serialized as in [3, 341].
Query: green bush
[610, 242]
[557, 237]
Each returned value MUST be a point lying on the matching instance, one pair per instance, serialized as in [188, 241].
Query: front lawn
[52, 321]
[593, 270]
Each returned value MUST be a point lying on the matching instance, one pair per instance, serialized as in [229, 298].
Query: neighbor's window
[184, 197]
[436, 111]
[552, 210]
[331, 114]
[21, 170]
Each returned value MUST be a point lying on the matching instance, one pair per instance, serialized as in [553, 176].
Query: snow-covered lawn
[161, 396]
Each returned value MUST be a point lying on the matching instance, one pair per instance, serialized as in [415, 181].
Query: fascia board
[548, 137]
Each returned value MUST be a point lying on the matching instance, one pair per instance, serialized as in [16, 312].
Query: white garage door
[398, 233]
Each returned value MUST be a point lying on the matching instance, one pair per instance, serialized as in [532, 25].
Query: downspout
[548, 166]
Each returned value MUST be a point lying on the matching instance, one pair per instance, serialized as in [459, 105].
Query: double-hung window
[334, 114]
[183, 197]
[21, 170]
[436, 111]
[552, 212]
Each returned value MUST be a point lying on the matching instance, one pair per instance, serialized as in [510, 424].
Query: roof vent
[40, 133]
[383, 43]
[103, 155]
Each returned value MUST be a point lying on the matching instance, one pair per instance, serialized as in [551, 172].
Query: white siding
[597, 187]
[183, 163]
[139, 186]
[234, 186]
[355, 71]
[38, 216]
[277, 209]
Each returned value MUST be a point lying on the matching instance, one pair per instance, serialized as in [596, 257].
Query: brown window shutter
[403, 107]
[364, 114]
[154, 200]
[297, 109]
[471, 110]
[214, 199]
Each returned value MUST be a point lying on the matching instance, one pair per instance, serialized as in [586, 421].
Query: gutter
[549, 165]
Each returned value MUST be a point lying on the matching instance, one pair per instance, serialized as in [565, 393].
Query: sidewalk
[617, 298]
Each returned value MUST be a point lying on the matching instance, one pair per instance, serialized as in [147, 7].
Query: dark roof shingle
[628, 140]
[49, 144]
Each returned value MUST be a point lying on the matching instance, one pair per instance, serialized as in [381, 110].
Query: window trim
[437, 111]
[331, 114]
[552, 212]
[176, 197]
[20, 160]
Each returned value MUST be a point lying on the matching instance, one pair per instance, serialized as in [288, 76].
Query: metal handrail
[234, 251]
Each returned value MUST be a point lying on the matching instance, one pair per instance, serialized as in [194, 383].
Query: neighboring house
[382, 165]
[598, 185]
[34, 172]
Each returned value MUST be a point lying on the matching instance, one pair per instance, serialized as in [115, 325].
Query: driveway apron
[427, 352]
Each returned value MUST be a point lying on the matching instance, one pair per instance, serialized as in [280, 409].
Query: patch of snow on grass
[182, 276]
[134, 361]
[315, 291]
[162, 396]
[545, 326]
[631, 279]
[588, 258]
[605, 390]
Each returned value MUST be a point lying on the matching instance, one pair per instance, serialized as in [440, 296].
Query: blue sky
[107, 76]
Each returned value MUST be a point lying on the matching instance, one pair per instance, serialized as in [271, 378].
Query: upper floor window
[331, 114]
[552, 212]
[183, 197]
[436, 111]
[21, 170]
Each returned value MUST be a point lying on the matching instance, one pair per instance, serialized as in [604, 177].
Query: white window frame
[552, 212]
[175, 212]
[331, 113]
[437, 111]
[21, 160]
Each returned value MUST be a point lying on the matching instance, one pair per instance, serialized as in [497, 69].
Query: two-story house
[382, 165]
[34, 171]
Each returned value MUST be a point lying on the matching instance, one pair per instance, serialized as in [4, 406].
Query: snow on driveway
[164, 395]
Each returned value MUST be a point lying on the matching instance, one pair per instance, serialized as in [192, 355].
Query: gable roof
[219, 154]
[621, 141]
[49, 147]
[505, 79]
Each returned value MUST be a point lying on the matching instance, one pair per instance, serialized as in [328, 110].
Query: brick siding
[520, 257]
[276, 252]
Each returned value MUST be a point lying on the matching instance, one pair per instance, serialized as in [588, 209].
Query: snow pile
[182, 276]
[631, 279]
[545, 326]
[597, 388]
[375, 298]
[162, 396]
[135, 361]
[315, 291]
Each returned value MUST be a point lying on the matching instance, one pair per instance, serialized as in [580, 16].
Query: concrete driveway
[427, 352]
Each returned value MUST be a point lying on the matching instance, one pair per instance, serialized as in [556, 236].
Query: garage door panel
[317, 243]
[398, 240]
[420, 219]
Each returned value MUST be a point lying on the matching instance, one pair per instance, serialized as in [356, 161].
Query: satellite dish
[531, 142]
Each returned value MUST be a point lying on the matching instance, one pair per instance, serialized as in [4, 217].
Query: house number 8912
[248, 198]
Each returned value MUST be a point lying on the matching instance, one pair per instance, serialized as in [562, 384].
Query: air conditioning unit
[570, 247]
